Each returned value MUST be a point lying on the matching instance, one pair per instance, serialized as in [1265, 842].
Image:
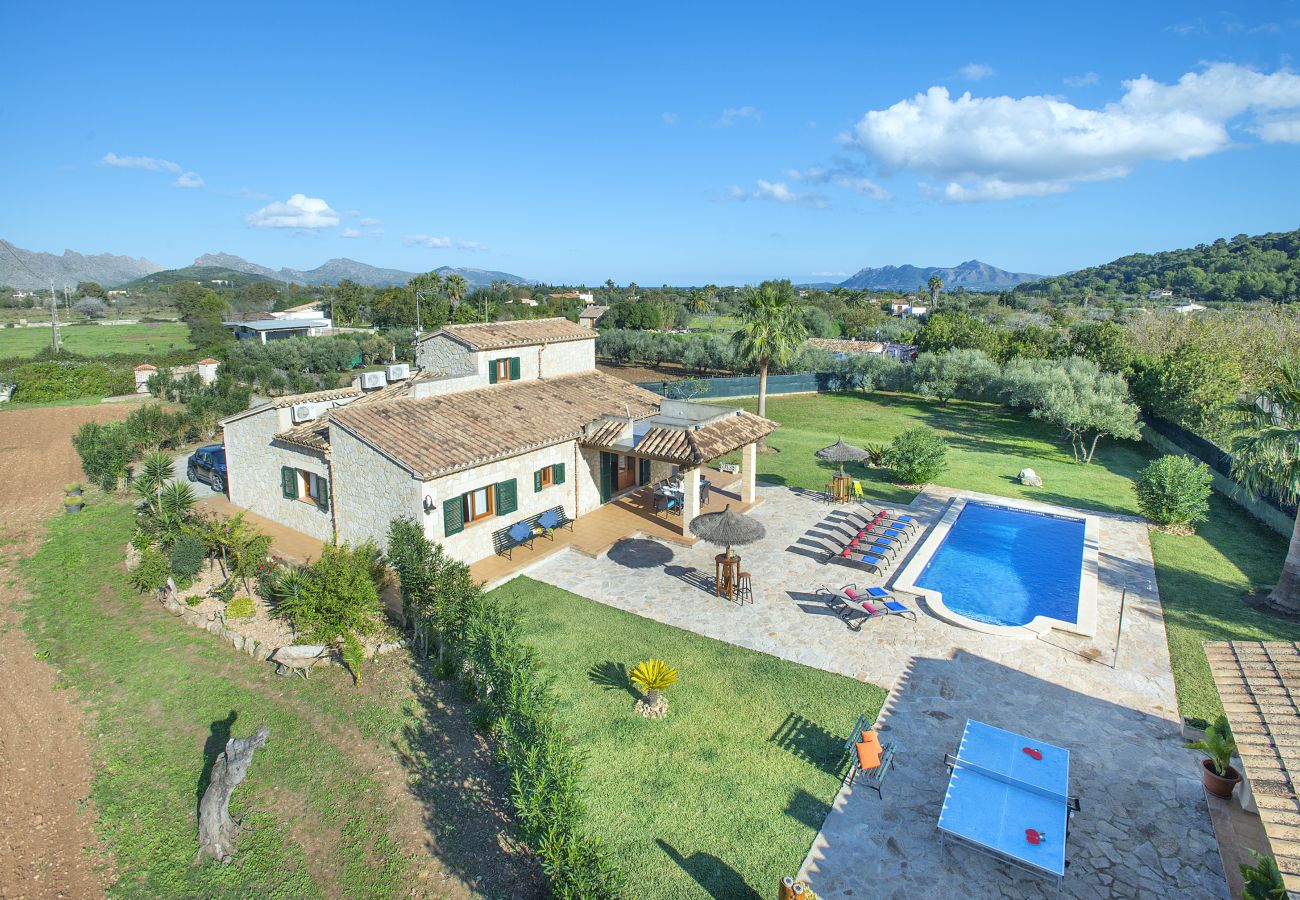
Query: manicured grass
[725, 794]
[162, 697]
[1202, 578]
[98, 340]
[713, 324]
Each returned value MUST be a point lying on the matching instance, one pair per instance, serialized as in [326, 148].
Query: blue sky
[658, 144]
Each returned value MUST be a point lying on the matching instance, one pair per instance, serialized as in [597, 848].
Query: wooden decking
[593, 534]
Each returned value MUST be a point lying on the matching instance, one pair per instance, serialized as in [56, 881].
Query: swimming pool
[994, 567]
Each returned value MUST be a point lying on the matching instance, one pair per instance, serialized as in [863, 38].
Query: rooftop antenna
[54, 318]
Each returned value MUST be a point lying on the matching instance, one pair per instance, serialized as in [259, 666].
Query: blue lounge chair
[886, 599]
[875, 561]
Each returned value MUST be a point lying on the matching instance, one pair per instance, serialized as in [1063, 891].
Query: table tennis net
[957, 763]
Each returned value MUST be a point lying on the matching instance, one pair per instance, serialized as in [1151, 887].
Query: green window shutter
[323, 501]
[643, 471]
[289, 482]
[514, 368]
[537, 481]
[507, 498]
[492, 372]
[453, 516]
[558, 476]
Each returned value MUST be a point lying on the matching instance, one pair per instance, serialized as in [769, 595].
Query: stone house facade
[501, 423]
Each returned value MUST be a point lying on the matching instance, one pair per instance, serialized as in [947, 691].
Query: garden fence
[742, 385]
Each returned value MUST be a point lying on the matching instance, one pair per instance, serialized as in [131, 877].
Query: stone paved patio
[1144, 829]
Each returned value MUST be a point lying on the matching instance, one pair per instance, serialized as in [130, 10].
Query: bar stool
[744, 590]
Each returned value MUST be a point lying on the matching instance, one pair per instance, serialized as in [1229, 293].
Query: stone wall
[441, 354]
[253, 463]
[475, 542]
[370, 490]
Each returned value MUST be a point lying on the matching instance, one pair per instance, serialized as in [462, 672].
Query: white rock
[1030, 477]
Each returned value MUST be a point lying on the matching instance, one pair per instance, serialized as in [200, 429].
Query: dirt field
[637, 374]
[47, 844]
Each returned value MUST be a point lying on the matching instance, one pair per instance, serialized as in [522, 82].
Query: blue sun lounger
[886, 599]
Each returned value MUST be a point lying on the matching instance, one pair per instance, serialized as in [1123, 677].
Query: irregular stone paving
[1144, 830]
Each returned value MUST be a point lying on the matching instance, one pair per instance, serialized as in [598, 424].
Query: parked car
[208, 464]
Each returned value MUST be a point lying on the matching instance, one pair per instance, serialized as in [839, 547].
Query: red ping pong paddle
[1034, 837]
[1031, 752]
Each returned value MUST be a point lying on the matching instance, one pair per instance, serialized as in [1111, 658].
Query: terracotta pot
[1216, 784]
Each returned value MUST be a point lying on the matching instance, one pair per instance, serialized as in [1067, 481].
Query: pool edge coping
[1086, 625]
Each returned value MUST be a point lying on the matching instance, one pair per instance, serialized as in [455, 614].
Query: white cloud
[149, 163]
[189, 180]
[976, 71]
[253, 195]
[670, 118]
[349, 233]
[1000, 147]
[427, 240]
[733, 114]
[1083, 80]
[367, 221]
[845, 176]
[299, 211]
[780, 192]
[1275, 131]
[829, 274]
[471, 245]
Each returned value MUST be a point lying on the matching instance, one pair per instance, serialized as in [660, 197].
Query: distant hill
[1265, 267]
[71, 267]
[972, 275]
[335, 270]
[208, 276]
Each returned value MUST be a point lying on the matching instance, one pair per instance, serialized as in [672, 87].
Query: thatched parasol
[840, 452]
[726, 528]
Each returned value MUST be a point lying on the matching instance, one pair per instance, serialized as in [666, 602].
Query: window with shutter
[453, 516]
[507, 499]
[492, 373]
[514, 368]
[289, 482]
[558, 476]
[322, 494]
[537, 481]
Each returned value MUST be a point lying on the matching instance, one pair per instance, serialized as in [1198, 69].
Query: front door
[608, 473]
[626, 472]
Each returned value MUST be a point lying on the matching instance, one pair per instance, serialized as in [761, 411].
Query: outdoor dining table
[841, 488]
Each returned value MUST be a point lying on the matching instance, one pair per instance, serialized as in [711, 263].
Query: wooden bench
[872, 778]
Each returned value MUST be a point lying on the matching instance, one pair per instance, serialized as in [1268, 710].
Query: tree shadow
[218, 733]
[712, 874]
[810, 742]
[806, 809]
[612, 676]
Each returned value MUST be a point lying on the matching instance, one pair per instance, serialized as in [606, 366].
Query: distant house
[584, 296]
[844, 349]
[310, 310]
[1160, 294]
[907, 309]
[591, 315]
[206, 369]
[1185, 307]
[263, 327]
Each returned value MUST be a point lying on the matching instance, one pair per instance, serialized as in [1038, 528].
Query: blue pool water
[1006, 566]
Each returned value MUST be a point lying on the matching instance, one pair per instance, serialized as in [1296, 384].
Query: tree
[88, 289]
[91, 308]
[1108, 344]
[456, 287]
[1175, 490]
[1077, 397]
[934, 286]
[1266, 460]
[952, 329]
[1194, 385]
[771, 330]
[348, 297]
[957, 373]
[917, 456]
[217, 830]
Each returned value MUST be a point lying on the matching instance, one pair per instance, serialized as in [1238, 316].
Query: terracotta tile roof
[501, 335]
[208, 361]
[838, 346]
[397, 390]
[434, 436]
[606, 433]
[690, 446]
[313, 435]
[316, 396]
[1259, 684]
[593, 312]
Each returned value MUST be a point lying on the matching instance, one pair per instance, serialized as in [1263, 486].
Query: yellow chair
[857, 489]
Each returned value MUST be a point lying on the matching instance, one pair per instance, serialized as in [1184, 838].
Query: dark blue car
[208, 464]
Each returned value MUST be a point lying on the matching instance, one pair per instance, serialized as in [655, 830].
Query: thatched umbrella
[840, 452]
[726, 528]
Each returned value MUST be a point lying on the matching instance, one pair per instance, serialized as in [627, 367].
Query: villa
[499, 424]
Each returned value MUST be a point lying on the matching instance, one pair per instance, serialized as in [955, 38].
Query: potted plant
[72, 489]
[73, 504]
[1263, 881]
[1218, 745]
[653, 677]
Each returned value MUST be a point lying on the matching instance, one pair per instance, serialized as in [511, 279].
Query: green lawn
[713, 324]
[725, 794]
[1202, 578]
[161, 698]
[98, 340]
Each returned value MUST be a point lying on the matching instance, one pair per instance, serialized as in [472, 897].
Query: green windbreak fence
[742, 385]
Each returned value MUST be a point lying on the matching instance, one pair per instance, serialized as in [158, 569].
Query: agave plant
[150, 480]
[1218, 745]
[875, 454]
[653, 677]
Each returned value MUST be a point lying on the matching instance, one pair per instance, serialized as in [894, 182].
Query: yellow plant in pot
[653, 677]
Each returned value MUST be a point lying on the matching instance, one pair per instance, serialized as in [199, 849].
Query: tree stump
[217, 831]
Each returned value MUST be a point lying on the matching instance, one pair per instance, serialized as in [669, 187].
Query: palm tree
[934, 285]
[771, 330]
[456, 287]
[1266, 459]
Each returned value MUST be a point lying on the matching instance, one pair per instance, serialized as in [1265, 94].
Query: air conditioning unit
[399, 372]
[371, 381]
[305, 412]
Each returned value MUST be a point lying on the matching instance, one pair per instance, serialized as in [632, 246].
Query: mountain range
[972, 275]
[31, 270]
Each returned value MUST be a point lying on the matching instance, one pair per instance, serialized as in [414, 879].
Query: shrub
[240, 607]
[193, 600]
[152, 573]
[105, 452]
[338, 595]
[67, 379]
[187, 556]
[1174, 490]
[917, 456]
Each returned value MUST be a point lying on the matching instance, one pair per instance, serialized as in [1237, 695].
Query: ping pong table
[1008, 796]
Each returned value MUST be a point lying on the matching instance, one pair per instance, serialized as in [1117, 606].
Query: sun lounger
[852, 603]
[882, 597]
[901, 520]
[863, 558]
